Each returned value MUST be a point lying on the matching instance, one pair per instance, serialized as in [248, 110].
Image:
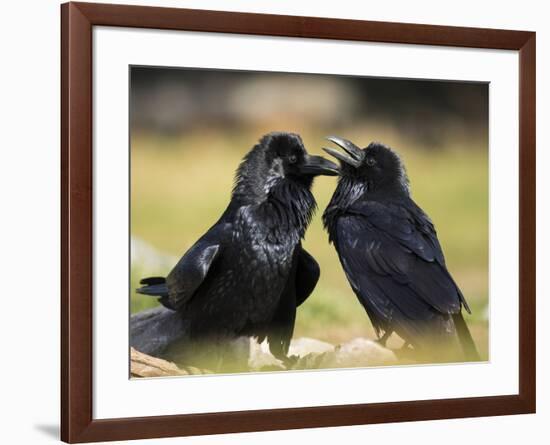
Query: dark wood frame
[77, 21]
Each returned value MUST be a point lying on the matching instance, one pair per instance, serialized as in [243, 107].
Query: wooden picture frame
[77, 22]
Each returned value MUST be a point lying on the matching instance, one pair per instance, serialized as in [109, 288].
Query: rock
[309, 352]
[359, 352]
[316, 354]
[261, 358]
[163, 333]
[305, 345]
[152, 331]
[225, 357]
[143, 365]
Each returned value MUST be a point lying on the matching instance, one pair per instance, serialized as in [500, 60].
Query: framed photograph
[276, 222]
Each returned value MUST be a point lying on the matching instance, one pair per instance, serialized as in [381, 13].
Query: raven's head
[278, 160]
[376, 167]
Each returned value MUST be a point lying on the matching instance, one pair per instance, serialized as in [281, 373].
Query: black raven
[389, 250]
[248, 273]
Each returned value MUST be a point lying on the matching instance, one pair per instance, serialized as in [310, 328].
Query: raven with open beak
[392, 258]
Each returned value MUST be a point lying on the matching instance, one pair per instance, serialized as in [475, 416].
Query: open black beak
[353, 155]
[317, 165]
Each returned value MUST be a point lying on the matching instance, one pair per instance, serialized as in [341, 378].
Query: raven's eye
[371, 162]
[292, 159]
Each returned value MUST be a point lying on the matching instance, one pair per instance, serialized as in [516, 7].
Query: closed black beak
[317, 165]
[353, 155]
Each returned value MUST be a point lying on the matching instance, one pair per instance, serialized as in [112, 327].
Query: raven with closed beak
[248, 273]
[389, 250]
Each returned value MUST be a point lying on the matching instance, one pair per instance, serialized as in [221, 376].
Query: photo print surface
[285, 221]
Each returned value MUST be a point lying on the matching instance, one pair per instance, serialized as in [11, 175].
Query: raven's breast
[265, 269]
[243, 289]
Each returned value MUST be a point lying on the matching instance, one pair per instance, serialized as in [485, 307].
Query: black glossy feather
[307, 275]
[248, 273]
[391, 255]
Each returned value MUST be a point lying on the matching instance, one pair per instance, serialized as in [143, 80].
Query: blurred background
[190, 128]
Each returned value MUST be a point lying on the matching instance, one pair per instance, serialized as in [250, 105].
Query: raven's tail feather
[153, 280]
[153, 286]
[465, 337]
[156, 287]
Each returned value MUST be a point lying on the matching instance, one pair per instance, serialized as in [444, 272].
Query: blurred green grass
[181, 185]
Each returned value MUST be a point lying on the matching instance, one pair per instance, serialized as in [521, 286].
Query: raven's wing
[307, 275]
[395, 265]
[193, 267]
[302, 280]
